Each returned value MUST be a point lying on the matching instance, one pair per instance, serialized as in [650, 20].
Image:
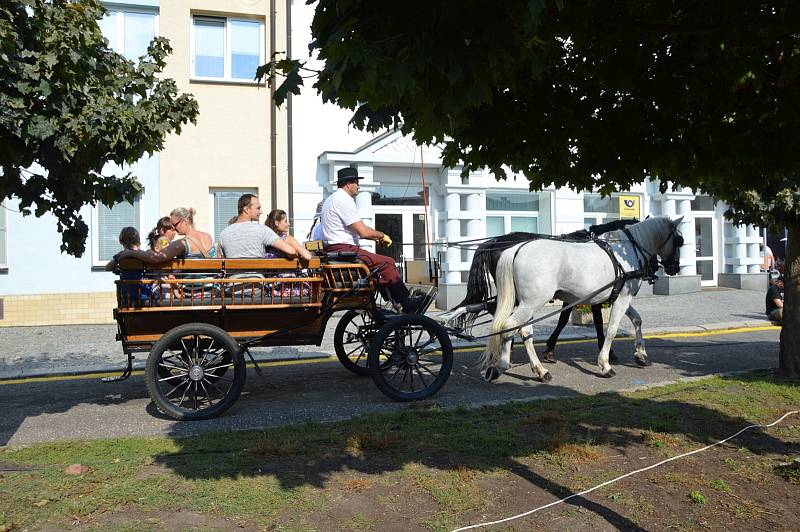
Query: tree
[585, 93]
[69, 105]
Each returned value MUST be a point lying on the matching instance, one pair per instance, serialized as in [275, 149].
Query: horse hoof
[549, 357]
[641, 362]
[612, 358]
[491, 374]
[610, 373]
[547, 377]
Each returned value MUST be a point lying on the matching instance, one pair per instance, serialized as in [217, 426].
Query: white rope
[584, 492]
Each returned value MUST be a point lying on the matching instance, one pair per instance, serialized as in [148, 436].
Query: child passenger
[159, 241]
[131, 292]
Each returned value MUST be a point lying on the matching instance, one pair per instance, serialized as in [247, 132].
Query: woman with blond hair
[195, 244]
[279, 222]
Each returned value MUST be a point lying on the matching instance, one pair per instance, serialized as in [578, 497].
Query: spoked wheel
[410, 357]
[195, 371]
[352, 339]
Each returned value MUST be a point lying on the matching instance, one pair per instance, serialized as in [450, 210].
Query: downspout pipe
[273, 127]
[289, 136]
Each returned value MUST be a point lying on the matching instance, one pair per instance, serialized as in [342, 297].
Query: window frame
[96, 260]
[212, 215]
[601, 217]
[119, 32]
[507, 215]
[226, 78]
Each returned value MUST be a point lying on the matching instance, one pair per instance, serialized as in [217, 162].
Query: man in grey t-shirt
[248, 239]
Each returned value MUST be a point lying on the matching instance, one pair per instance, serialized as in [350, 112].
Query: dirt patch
[132, 519]
[724, 487]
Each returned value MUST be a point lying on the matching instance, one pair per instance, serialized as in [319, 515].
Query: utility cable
[606, 483]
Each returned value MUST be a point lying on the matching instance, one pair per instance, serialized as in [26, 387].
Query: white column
[476, 206]
[740, 249]
[668, 208]
[752, 249]
[453, 233]
[686, 227]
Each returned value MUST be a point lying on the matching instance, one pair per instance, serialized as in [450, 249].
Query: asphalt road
[322, 390]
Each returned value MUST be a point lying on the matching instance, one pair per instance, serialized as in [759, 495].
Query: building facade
[240, 144]
[715, 253]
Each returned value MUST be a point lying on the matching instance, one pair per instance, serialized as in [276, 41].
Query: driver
[341, 228]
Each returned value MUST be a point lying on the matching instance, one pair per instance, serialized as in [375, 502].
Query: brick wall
[58, 309]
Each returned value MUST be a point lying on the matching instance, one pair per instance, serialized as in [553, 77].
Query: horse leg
[519, 316]
[507, 341]
[597, 318]
[536, 366]
[550, 352]
[617, 310]
[639, 355]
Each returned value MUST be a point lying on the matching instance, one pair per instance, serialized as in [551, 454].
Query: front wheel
[410, 358]
[195, 371]
[352, 339]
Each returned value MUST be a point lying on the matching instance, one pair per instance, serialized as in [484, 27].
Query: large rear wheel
[195, 371]
[410, 358]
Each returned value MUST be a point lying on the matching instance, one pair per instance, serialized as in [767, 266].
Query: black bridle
[649, 259]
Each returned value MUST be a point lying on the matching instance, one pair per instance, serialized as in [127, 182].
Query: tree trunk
[789, 358]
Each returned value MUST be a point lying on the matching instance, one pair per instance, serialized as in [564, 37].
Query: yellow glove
[385, 240]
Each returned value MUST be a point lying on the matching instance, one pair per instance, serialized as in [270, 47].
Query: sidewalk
[33, 351]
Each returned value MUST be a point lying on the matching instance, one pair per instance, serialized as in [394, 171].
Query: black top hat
[346, 175]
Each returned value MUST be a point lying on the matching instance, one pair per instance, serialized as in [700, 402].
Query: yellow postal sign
[629, 207]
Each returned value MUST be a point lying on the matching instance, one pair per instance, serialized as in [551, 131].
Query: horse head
[669, 251]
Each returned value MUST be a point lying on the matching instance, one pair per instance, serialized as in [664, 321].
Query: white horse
[531, 274]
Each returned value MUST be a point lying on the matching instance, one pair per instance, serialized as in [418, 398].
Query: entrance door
[407, 230]
[705, 249]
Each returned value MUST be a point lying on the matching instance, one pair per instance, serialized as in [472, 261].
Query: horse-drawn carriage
[199, 318]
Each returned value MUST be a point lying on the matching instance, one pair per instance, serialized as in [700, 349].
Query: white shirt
[338, 212]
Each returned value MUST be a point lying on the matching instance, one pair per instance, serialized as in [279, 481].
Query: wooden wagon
[199, 318]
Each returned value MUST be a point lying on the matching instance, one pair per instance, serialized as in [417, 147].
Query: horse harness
[647, 266]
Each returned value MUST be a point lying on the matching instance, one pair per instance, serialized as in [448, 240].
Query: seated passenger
[279, 222]
[130, 241]
[160, 238]
[195, 244]
[248, 239]
[162, 234]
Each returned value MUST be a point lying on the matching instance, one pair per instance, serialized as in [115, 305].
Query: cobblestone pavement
[28, 351]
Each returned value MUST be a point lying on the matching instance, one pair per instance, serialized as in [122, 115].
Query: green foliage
[720, 485]
[581, 94]
[698, 498]
[69, 105]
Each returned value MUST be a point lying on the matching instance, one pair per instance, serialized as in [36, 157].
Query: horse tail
[482, 270]
[479, 287]
[506, 300]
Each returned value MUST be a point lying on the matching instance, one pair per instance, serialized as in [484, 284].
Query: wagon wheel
[195, 371]
[415, 356]
[352, 339]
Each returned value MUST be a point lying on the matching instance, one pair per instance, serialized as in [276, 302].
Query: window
[703, 203]
[129, 32]
[398, 195]
[3, 233]
[107, 225]
[599, 210]
[511, 211]
[225, 205]
[226, 48]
